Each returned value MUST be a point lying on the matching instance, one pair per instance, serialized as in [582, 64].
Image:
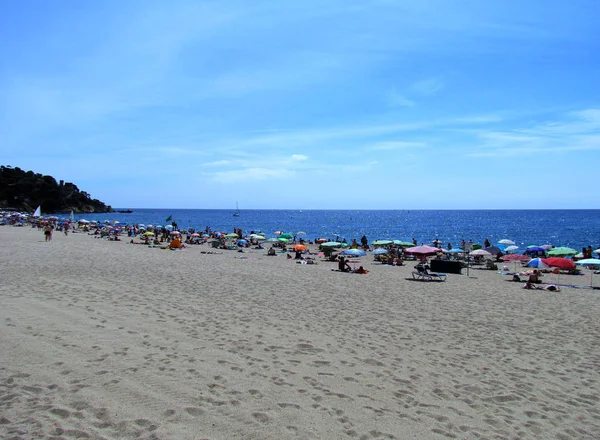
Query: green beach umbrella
[232, 235]
[403, 243]
[283, 239]
[562, 251]
[286, 235]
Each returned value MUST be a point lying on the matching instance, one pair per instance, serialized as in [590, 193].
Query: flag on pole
[169, 218]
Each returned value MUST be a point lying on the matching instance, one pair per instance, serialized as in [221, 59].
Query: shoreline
[110, 340]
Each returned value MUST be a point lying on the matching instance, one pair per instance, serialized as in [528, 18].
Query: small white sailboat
[72, 216]
[38, 212]
[237, 213]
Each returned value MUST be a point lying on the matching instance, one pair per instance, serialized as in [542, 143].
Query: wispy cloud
[428, 86]
[396, 99]
[576, 131]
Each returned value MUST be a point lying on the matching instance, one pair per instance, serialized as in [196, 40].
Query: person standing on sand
[48, 232]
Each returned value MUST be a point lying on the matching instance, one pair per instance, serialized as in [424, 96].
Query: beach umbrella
[538, 263]
[272, 240]
[561, 263]
[299, 247]
[354, 252]
[511, 248]
[597, 251]
[169, 227]
[83, 221]
[232, 235]
[380, 251]
[506, 241]
[562, 252]
[175, 233]
[592, 264]
[283, 240]
[320, 240]
[455, 251]
[534, 249]
[242, 241]
[331, 244]
[148, 233]
[422, 250]
[287, 235]
[547, 247]
[382, 242]
[344, 244]
[205, 235]
[195, 235]
[494, 250]
[481, 253]
[278, 232]
[403, 244]
[515, 257]
[300, 233]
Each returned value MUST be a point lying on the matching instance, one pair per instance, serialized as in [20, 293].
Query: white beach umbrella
[506, 241]
[511, 248]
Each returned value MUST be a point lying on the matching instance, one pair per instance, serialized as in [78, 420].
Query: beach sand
[108, 340]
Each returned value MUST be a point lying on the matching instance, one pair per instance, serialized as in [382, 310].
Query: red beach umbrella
[561, 263]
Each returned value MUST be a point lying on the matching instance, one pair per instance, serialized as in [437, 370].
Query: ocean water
[572, 228]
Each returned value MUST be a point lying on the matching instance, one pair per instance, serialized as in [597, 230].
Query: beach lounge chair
[422, 274]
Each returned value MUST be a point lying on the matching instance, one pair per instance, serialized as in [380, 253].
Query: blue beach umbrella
[242, 241]
[354, 252]
[380, 251]
[456, 251]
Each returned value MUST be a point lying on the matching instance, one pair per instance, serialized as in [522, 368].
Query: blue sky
[306, 104]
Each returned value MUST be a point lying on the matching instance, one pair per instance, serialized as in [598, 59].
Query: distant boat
[237, 213]
[38, 212]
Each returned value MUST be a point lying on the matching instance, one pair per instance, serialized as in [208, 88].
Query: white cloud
[394, 145]
[299, 157]
[396, 99]
[249, 174]
[427, 87]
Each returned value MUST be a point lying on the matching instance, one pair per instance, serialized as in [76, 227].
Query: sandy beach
[108, 340]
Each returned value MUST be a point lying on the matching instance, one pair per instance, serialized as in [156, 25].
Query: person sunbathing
[361, 270]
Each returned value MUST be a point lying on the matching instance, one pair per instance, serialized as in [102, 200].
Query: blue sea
[572, 228]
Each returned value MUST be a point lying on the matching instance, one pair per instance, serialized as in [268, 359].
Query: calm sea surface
[573, 228]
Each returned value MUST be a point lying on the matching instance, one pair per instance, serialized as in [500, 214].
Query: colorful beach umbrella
[538, 263]
[381, 251]
[299, 247]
